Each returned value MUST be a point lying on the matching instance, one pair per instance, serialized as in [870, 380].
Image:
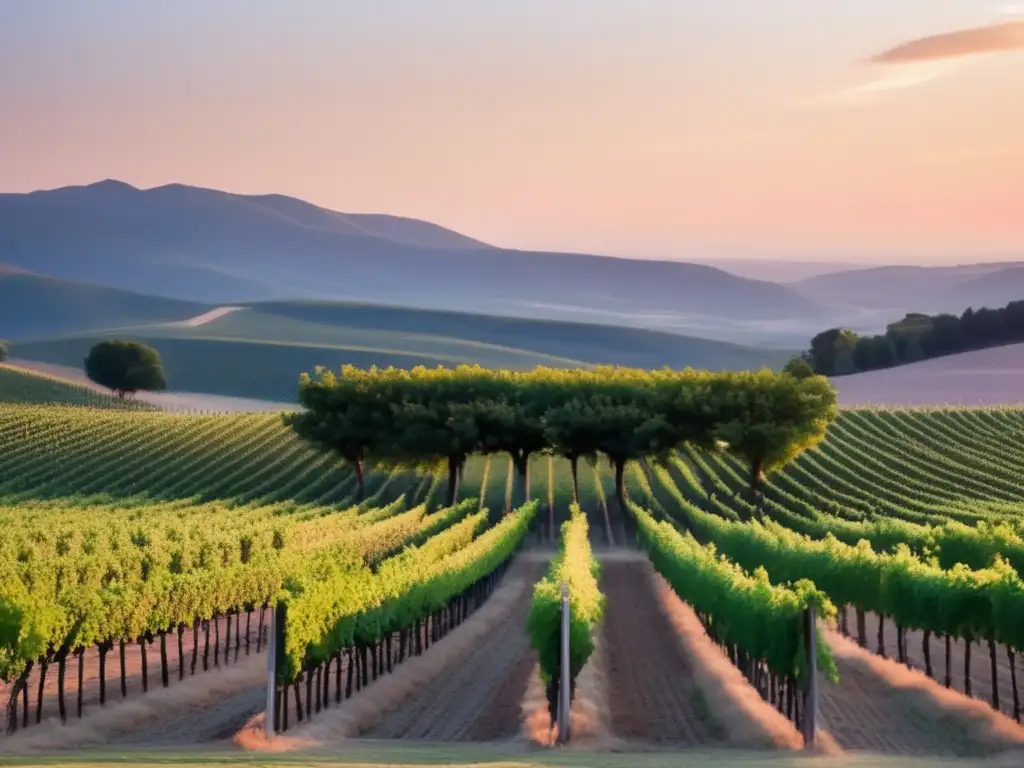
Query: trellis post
[810, 703]
[564, 687]
[270, 725]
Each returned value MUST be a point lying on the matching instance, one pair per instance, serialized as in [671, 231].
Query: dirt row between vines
[981, 663]
[881, 706]
[221, 658]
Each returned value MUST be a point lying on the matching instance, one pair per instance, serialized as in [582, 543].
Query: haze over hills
[215, 247]
[36, 306]
[259, 350]
[895, 290]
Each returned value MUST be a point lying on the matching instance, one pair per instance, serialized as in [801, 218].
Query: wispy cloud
[994, 38]
[924, 59]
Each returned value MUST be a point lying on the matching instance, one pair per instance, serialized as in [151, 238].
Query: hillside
[214, 247]
[901, 289]
[20, 385]
[34, 306]
[984, 377]
[258, 352]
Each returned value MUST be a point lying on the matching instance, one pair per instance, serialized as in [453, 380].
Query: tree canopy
[837, 352]
[125, 367]
[4, 349]
[428, 417]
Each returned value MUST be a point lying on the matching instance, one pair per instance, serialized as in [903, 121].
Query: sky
[811, 129]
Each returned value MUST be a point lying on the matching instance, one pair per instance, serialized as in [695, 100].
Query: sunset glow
[793, 128]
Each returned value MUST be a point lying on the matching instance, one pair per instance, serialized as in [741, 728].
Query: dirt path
[880, 706]
[479, 697]
[651, 690]
[203, 319]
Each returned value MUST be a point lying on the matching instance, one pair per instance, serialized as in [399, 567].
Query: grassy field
[258, 352]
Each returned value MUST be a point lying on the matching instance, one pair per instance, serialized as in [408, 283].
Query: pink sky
[792, 128]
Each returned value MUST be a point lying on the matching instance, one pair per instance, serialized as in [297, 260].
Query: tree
[344, 414]
[4, 350]
[126, 367]
[768, 420]
[832, 350]
[798, 368]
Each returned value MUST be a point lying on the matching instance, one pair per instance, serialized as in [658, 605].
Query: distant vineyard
[130, 531]
[21, 386]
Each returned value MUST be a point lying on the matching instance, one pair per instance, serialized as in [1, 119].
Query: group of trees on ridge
[840, 351]
[425, 417]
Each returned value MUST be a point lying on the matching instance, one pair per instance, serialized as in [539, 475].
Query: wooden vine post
[564, 687]
[270, 725]
[810, 693]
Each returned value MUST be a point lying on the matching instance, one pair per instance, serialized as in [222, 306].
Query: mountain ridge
[217, 247]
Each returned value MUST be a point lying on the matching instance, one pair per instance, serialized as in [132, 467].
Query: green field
[258, 352]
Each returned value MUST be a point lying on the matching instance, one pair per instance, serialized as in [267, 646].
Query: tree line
[422, 418]
[840, 351]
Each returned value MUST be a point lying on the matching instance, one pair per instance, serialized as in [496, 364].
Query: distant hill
[34, 306]
[214, 247]
[902, 289]
[259, 351]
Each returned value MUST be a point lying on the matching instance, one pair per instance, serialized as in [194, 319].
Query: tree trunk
[80, 652]
[574, 463]
[967, 666]
[44, 663]
[164, 676]
[995, 674]
[926, 643]
[24, 693]
[454, 464]
[949, 662]
[862, 631]
[357, 465]
[124, 681]
[62, 666]
[522, 489]
[103, 649]
[881, 635]
[620, 483]
[1012, 658]
[756, 481]
[181, 652]
[145, 665]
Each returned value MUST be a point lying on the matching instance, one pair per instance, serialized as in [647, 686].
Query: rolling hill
[34, 306]
[259, 351]
[211, 247]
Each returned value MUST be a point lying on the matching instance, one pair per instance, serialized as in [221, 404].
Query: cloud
[994, 38]
[924, 59]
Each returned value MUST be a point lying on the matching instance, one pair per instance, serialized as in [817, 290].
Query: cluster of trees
[425, 417]
[840, 351]
[126, 367]
[4, 350]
